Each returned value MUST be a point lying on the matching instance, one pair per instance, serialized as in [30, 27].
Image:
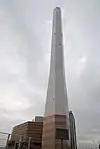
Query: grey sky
[25, 39]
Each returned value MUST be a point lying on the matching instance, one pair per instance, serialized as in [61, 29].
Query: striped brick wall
[50, 124]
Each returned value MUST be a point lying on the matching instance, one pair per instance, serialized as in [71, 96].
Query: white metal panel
[56, 101]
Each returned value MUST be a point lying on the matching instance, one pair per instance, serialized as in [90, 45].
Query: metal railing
[5, 138]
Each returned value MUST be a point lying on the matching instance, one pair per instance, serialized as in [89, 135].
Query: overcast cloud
[25, 44]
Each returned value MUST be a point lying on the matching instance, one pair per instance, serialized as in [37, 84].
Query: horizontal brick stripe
[48, 121]
[49, 128]
[48, 138]
[56, 143]
[60, 119]
[50, 124]
[48, 132]
[53, 120]
[48, 144]
[48, 135]
[51, 131]
[60, 123]
[55, 115]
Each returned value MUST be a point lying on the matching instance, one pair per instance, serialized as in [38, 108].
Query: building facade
[25, 134]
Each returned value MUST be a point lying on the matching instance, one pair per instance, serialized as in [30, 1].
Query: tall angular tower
[55, 126]
[72, 131]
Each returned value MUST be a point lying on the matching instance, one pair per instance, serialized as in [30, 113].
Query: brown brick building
[29, 130]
